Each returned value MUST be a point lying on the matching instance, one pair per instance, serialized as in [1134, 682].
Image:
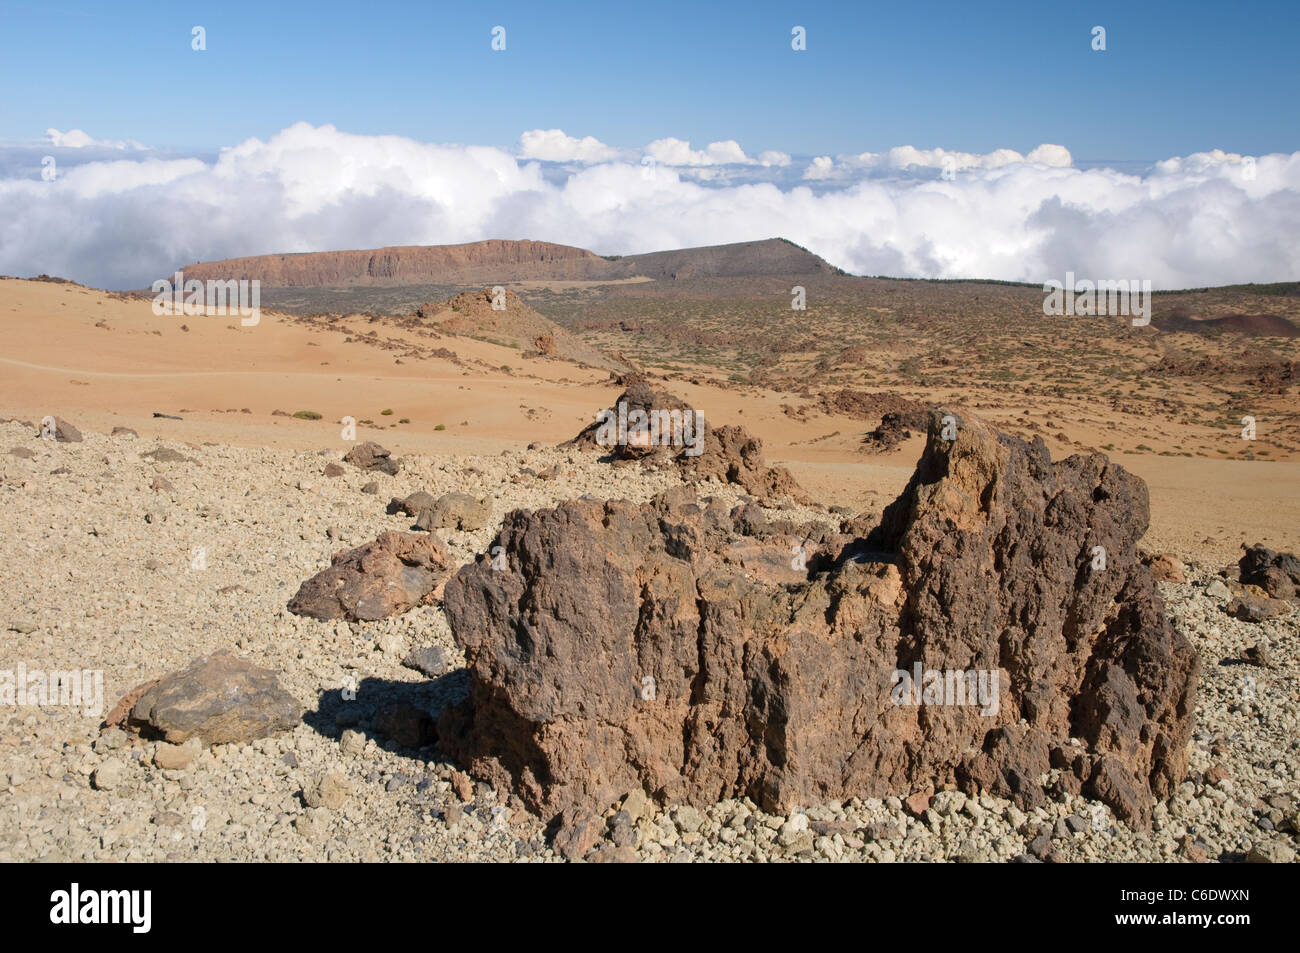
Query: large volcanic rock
[727, 454]
[661, 647]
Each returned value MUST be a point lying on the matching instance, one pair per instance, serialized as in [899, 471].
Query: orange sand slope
[103, 360]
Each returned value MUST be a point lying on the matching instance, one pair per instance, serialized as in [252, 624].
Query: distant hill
[498, 260]
[1250, 325]
[773, 256]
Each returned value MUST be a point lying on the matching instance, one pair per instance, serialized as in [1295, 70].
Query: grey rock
[430, 660]
[1217, 589]
[460, 511]
[371, 456]
[1255, 609]
[218, 697]
[165, 455]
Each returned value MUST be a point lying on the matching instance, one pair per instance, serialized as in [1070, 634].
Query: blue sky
[917, 139]
[1176, 78]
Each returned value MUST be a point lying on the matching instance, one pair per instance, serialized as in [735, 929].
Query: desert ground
[101, 571]
[112, 362]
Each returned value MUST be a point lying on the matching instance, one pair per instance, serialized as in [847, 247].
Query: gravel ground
[103, 573]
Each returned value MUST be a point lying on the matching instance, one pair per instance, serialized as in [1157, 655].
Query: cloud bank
[118, 216]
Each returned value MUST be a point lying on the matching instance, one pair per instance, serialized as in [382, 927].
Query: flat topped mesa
[679, 649]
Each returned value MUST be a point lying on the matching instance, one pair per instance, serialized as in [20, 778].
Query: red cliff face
[475, 263]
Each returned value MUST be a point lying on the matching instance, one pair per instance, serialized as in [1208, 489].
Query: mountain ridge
[502, 260]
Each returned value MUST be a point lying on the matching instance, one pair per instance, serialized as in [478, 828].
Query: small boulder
[1278, 574]
[577, 834]
[411, 505]
[165, 455]
[218, 697]
[396, 572]
[108, 775]
[460, 511]
[371, 456]
[430, 660]
[1250, 608]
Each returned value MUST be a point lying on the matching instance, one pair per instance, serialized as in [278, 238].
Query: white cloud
[679, 152]
[905, 159]
[553, 145]
[76, 139]
[1211, 218]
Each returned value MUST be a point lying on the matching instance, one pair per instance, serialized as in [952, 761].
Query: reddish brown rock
[578, 833]
[371, 456]
[660, 648]
[117, 717]
[866, 405]
[1165, 568]
[917, 804]
[396, 572]
[893, 430]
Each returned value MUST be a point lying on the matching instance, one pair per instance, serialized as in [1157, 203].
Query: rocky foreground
[139, 559]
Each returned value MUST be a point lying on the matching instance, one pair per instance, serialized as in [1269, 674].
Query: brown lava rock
[396, 572]
[659, 647]
[371, 456]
